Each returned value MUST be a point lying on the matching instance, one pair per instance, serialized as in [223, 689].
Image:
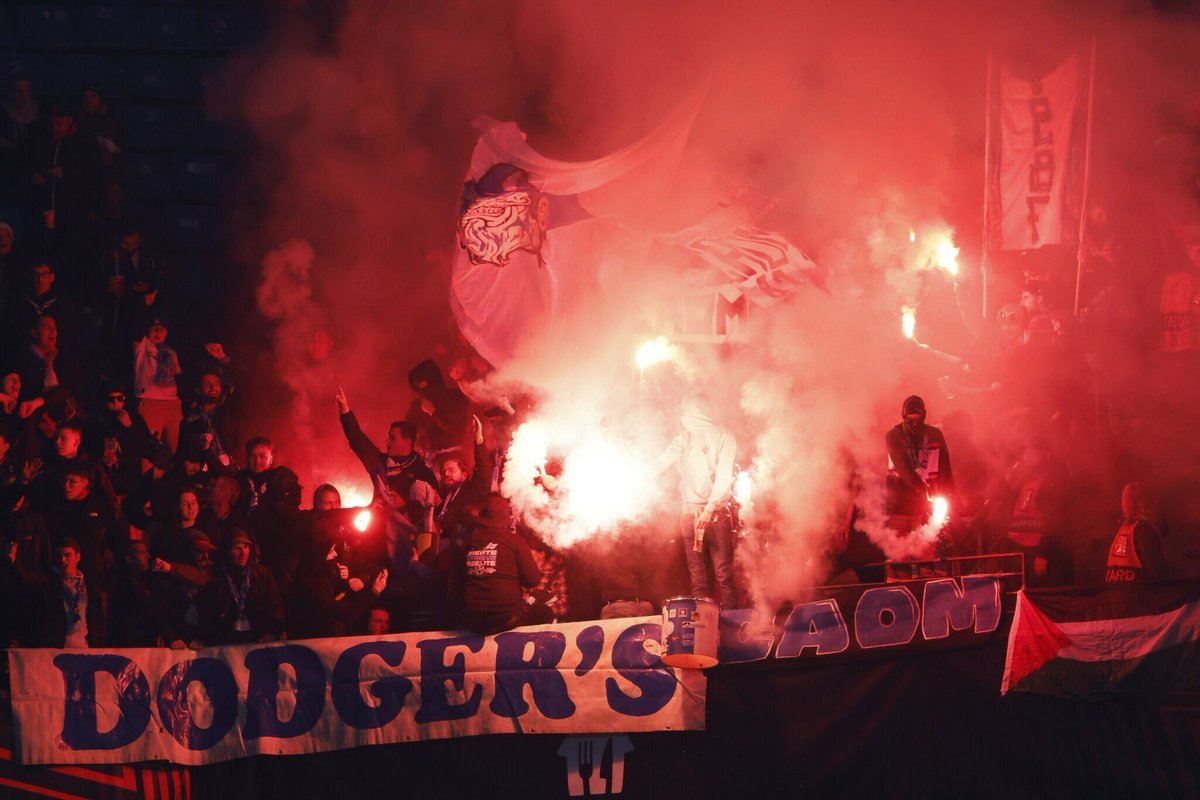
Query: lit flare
[908, 321]
[653, 351]
[363, 521]
[941, 512]
[946, 255]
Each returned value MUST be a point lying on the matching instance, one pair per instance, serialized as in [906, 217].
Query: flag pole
[985, 266]
[1087, 169]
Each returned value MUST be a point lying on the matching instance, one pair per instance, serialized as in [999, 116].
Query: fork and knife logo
[595, 764]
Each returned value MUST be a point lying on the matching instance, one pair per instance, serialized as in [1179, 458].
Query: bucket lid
[688, 597]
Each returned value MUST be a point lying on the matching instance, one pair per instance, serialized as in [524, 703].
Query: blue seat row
[140, 77]
[192, 177]
[126, 27]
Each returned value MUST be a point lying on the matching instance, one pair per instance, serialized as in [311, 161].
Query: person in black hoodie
[242, 603]
[497, 565]
[86, 517]
[441, 414]
[118, 438]
[137, 602]
[918, 464]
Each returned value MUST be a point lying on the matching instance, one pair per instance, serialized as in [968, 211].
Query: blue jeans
[718, 544]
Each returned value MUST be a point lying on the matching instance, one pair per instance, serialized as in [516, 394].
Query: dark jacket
[399, 473]
[219, 611]
[137, 608]
[497, 564]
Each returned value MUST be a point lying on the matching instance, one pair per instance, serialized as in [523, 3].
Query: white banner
[1036, 129]
[220, 703]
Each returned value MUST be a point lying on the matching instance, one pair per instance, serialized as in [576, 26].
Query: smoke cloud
[861, 123]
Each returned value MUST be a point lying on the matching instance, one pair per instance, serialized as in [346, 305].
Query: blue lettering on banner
[643, 669]
[391, 692]
[886, 616]
[590, 642]
[739, 643]
[514, 672]
[948, 606]
[435, 702]
[80, 730]
[175, 711]
[817, 625]
[262, 715]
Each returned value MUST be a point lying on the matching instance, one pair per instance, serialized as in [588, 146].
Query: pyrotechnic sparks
[603, 483]
[908, 321]
[946, 255]
[941, 512]
[743, 489]
[912, 235]
[654, 351]
[363, 521]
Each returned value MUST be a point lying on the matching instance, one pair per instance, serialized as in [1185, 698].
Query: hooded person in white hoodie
[704, 455]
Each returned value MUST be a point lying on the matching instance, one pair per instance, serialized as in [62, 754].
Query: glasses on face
[116, 398]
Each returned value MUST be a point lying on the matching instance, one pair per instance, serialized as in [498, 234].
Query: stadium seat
[200, 178]
[230, 28]
[6, 37]
[147, 176]
[150, 127]
[204, 133]
[46, 26]
[173, 29]
[157, 78]
[79, 69]
[190, 227]
[111, 27]
[44, 70]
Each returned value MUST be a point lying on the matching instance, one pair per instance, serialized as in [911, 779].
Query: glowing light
[908, 321]
[941, 512]
[354, 498]
[743, 489]
[603, 482]
[529, 448]
[912, 235]
[653, 351]
[363, 521]
[946, 255]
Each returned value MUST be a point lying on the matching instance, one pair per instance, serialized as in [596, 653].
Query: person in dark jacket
[398, 468]
[918, 463]
[1039, 522]
[137, 602]
[463, 486]
[498, 565]
[70, 610]
[242, 603]
[441, 414]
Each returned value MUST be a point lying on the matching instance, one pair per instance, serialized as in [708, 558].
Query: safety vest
[1124, 563]
[1177, 307]
[1027, 525]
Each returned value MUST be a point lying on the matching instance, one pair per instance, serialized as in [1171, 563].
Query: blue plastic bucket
[690, 632]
